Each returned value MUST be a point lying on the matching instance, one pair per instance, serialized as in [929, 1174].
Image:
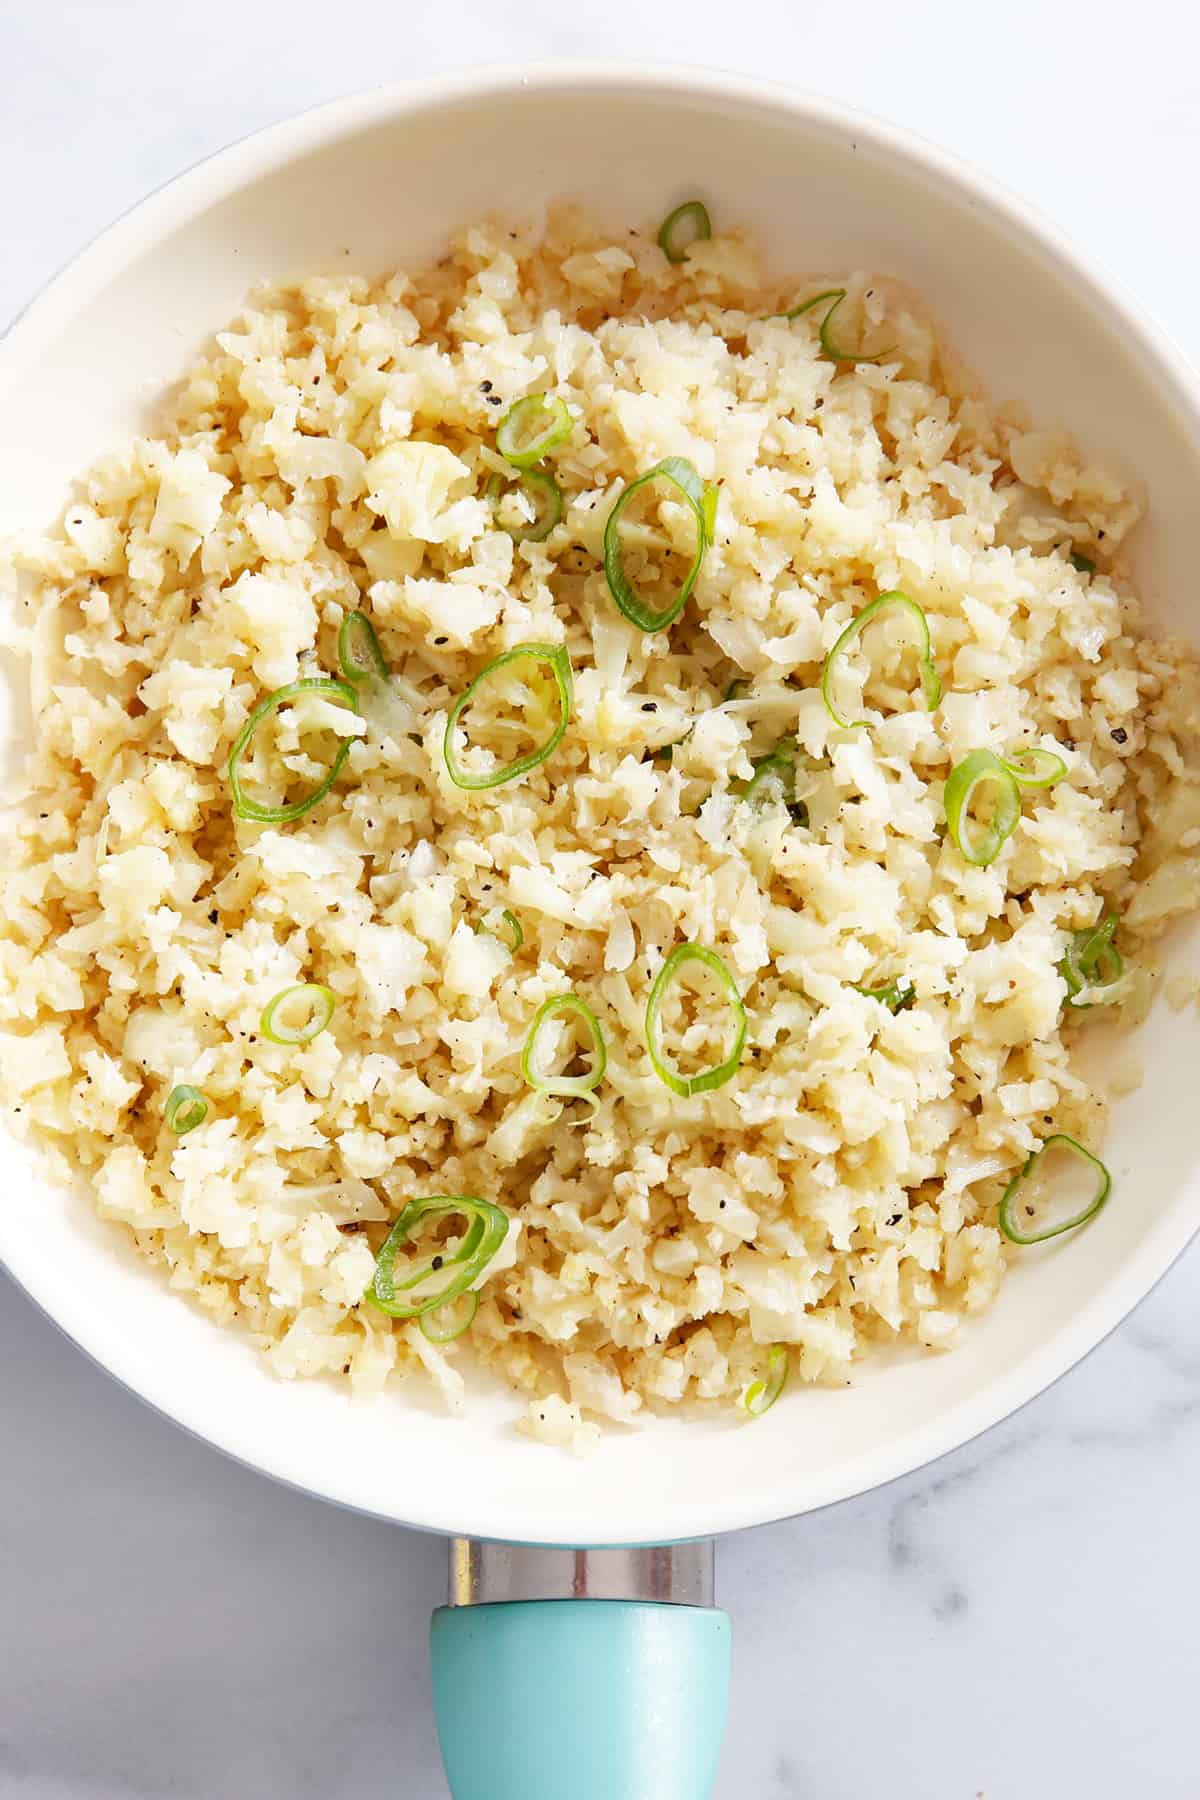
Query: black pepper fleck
[1120, 735]
[213, 916]
[649, 706]
[494, 400]
[439, 641]
[485, 387]
[437, 1262]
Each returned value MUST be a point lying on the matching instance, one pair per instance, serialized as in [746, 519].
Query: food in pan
[579, 803]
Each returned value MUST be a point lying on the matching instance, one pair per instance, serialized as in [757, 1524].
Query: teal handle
[580, 1699]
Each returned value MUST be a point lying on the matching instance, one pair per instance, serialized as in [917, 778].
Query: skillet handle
[580, 1699]
[580, 1674]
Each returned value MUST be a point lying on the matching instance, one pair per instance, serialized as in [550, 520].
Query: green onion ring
[185, 1109]
[543, 494]
[559, 663]
[532, 428]
[1092, 953]
[760, 1396]
[445, 1323]
[897, 995]
[682, 475]
[1008, 1205]
[835, 352]
[1035, 768]
[358, 649]
[775, 770]
[487, 1227]
[565, 1086]
[243, 806]
[721, 1072]
[981, 844]
[691, 217]
[515, 928]
[931, 681]
[321, 1002]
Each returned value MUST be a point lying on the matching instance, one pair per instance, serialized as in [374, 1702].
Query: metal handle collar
[489, 1574]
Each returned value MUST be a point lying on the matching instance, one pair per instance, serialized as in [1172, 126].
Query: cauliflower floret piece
[277, 619]
[554, 1420]
[420, 490]
[189, 503]
[191, 700]
[131, 882]
[473, 961]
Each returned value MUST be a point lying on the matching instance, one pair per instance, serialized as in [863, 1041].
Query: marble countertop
[1005, 1625]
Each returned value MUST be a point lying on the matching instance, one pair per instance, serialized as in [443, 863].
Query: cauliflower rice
[331, 451]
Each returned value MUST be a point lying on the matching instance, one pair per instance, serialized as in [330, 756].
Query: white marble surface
[1011, 1624]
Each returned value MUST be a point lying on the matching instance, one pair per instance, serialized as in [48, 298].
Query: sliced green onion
[1084, 564]
[981, 844]
[559, 664]
[734, 688]
[897, 995]
[667, 976]
[774, 776]
[531, 1065]
[243, 805]
[1092, 963]
[1014, 1198]
[682, 476]
[1035, 768]
[760, 1396]
[364, 666]
[836, 352]
[492, 921]
[358, 650]
[689, 224]
[532, 428]
[451, 1272]
[709, 509]
[445, 1323]
[931, 681]
[315, 1004]
[185, 1109]
[544, 496]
